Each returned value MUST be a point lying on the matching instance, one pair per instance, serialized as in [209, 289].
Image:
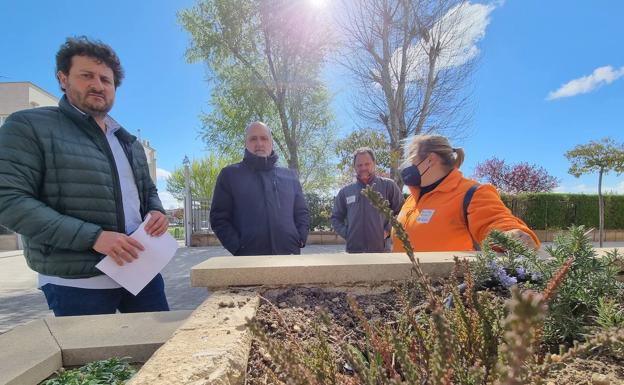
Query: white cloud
[459, 31]
[162, 174]
[600, 76]
[168, 201]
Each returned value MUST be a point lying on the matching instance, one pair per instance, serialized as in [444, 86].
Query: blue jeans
[70, 301]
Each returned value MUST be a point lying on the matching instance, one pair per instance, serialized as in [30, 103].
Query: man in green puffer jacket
[74, 184]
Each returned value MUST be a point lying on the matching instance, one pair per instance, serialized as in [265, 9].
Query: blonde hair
[422, 145]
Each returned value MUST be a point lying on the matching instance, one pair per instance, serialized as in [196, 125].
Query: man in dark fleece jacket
[258, 208]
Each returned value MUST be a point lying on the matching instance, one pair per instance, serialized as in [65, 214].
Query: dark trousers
[70, 301]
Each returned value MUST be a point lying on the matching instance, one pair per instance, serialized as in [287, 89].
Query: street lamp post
[188, 203]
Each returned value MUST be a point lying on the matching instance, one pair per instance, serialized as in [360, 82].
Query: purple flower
[536, 276]
[501, 275]
[521, 272]
[507, 281]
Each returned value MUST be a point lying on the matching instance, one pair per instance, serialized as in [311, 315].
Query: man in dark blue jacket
[258, 208]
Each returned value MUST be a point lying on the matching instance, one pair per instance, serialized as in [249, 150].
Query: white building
[16, 96]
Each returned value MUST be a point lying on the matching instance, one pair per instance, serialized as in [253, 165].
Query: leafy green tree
[376, 139]
[597, 156]
[265, 58]
[320, 207]
[203, 175]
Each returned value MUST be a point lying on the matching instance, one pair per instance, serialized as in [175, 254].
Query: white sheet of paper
[136, 275]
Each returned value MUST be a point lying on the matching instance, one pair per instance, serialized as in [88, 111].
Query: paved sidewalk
[21, 301]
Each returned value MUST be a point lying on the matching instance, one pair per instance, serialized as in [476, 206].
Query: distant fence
[200, 216]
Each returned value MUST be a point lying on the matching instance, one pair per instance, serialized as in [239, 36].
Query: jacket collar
[372, 181]
[82, 118]
[448, 184]
[260, 163]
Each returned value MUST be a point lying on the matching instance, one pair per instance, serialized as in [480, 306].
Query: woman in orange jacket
[434, 216]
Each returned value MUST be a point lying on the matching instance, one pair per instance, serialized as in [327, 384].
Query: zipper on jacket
[121, 219]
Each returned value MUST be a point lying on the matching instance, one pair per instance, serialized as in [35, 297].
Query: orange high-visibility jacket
[435, 222]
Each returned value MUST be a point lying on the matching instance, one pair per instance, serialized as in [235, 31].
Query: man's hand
[118, 246]
[386, 234]
[522, 237]
[157, 224]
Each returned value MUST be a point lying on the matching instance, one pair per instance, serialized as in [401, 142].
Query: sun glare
[319, 4]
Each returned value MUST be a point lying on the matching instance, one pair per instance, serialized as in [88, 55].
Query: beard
[93, 103]
[365, 176]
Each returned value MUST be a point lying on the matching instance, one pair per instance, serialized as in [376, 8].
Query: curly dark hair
[82, 46]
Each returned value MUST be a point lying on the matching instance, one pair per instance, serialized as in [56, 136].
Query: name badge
[350, 199]
[425, 216]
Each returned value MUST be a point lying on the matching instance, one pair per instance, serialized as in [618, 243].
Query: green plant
[114, 371]
[478, 337]
[590, 279]
[610, 313]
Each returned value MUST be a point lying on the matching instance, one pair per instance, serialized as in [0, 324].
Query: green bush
[559, 211]
[540, 211]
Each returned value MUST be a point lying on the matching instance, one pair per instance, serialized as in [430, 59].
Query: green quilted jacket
[59, 187]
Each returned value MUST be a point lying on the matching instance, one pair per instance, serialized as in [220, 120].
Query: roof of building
[34, 86]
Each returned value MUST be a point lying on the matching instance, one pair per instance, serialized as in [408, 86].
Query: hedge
[558, 211]
[539, 210]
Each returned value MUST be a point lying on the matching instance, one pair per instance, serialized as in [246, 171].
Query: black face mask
[411, 175]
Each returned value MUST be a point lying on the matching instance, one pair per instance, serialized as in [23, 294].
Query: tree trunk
[600, 208]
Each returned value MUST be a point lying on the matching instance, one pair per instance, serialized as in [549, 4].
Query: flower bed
[292, 319]
[501, 322]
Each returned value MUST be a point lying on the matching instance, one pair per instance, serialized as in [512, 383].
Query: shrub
[560, 211]
[475, 338]
[589, 280]
[114, 371]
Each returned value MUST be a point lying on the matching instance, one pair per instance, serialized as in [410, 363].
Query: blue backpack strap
[467, 199]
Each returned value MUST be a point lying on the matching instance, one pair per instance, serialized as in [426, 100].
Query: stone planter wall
[32, 352]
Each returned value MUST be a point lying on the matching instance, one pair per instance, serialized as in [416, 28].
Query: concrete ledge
[315, 269]
[335, 269]
[136, 335]
[28, 354]
[211, 347]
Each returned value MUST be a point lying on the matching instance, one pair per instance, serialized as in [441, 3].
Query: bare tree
[411, 60]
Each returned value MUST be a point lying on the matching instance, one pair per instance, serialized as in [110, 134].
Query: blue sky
[530, 50]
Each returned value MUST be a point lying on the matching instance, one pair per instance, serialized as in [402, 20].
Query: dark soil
[299, 314]
[300, 308]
